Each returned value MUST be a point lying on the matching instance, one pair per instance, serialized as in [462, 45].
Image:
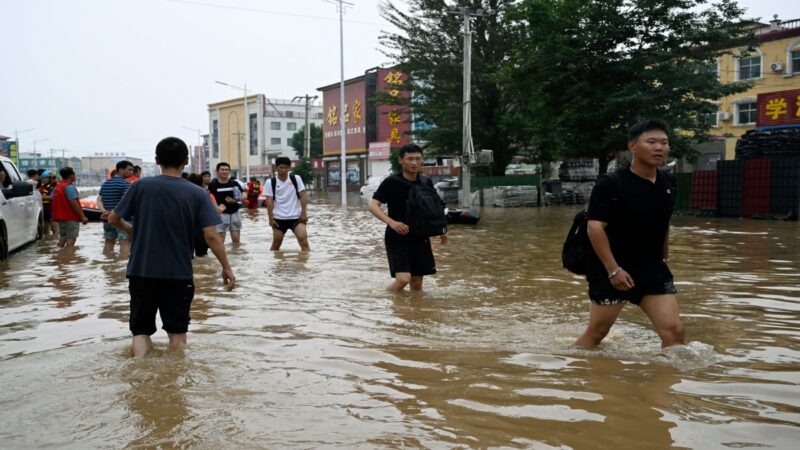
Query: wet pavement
[310, 352]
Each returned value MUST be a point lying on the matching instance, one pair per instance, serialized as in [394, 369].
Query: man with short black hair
[287, 200]
[228, 192]
[628, 226]
[410, 256]
[111, 192]
[33, 177]
[66, 209]
[168, 210]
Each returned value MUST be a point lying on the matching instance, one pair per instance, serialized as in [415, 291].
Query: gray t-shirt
[169, 211]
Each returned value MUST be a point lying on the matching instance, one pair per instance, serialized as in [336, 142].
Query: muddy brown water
[311, 352]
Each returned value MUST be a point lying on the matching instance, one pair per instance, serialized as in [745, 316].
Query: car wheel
[40, 227]
[3, 243]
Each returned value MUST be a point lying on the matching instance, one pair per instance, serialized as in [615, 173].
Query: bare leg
[222, 235]
[416, 283]
[71, 242]
[401, 279]
[235, 236]
[663, 312]
[601, 318]
[277, 239]
[108, 246]
[301, 233]
[141, 345]
[176, 340]
[124, 248]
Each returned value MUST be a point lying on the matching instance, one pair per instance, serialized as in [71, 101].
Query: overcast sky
[118, 75]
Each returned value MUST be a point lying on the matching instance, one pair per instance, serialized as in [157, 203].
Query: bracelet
[614, 273]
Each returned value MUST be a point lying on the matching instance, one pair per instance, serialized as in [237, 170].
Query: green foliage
[563, 78]
[430, 49]
[393, 160]
[299, 138]
[304, 170]
[594, 68]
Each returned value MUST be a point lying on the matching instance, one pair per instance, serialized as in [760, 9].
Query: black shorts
[171, 298]
[409, 254]
[287, 224]
[601, 292]
[47, 212]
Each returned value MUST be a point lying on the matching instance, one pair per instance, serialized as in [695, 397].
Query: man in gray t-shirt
[168, 210]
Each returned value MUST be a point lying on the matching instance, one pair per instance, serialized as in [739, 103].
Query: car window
[11, 174]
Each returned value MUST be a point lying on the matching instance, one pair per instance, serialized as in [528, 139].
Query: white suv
[20, 210]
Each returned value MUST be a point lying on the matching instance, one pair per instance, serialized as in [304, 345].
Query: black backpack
[425, 215]
[578, 255]
[274, 181]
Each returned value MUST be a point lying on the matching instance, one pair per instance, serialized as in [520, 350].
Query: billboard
[394, 125]
[778, 108]
[354, 119]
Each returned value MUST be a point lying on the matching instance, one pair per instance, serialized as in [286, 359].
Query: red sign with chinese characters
[778, 108]
[394, 125]
[355, 119]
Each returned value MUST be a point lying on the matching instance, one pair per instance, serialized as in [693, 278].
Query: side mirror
[19, 189]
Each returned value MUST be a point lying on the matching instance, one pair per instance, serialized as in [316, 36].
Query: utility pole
[467, 148]
[341, 4]
[307, 137]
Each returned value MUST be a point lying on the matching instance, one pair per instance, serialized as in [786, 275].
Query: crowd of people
[628, 227]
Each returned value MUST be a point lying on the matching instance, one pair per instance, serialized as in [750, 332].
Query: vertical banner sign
[394, 125]
[12, 152]
[778, 108]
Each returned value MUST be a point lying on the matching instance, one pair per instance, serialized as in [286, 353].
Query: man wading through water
[287, 201]
[168, 209]
[628, 225]
[410, 256]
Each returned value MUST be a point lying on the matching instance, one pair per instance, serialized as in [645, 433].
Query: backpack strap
[274, 182]
[293, 177]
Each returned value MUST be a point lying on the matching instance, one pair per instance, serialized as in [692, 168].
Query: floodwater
[309, 351]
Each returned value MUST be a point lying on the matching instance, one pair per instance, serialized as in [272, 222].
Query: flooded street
[309, 351]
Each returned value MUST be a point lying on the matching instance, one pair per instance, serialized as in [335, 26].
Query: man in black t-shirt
[628, 226]
[410, 257]
[228, 192]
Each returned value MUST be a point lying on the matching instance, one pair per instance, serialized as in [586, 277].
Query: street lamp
[199, 132]
[16, 136]
[246, 129]
[38, 140]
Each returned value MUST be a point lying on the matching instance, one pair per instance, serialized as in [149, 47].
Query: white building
[272, 122]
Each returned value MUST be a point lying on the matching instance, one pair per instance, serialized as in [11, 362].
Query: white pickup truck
[21, 219]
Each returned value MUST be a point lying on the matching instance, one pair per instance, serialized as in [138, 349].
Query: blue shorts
[109, 232]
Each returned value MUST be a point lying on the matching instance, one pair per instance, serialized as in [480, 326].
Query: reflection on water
[310, 352]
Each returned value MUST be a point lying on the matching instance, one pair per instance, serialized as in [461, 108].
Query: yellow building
[774, 66]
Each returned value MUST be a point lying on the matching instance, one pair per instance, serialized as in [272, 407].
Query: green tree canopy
[299, 137]
[429, 47]
[582, 72]
[561, 78]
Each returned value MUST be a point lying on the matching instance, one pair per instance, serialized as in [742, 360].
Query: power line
[266, 11]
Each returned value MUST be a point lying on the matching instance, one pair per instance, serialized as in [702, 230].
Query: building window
[215, 139]
[749, 68]
[253, 134]
[288, 142]
[291, 126]
[318, 115]
[275, 126]
[712, 118]
[275, 141]
[746, 113]
[289, 114]
[795, 61]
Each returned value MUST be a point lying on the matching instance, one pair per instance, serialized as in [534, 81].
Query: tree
[299, 138]
[304, 171]
[429, 48]
[582, 72]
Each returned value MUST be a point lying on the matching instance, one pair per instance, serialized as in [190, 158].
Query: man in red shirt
[66, 209]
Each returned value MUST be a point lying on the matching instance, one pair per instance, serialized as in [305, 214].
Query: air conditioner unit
[777, 66]
[724, 116]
